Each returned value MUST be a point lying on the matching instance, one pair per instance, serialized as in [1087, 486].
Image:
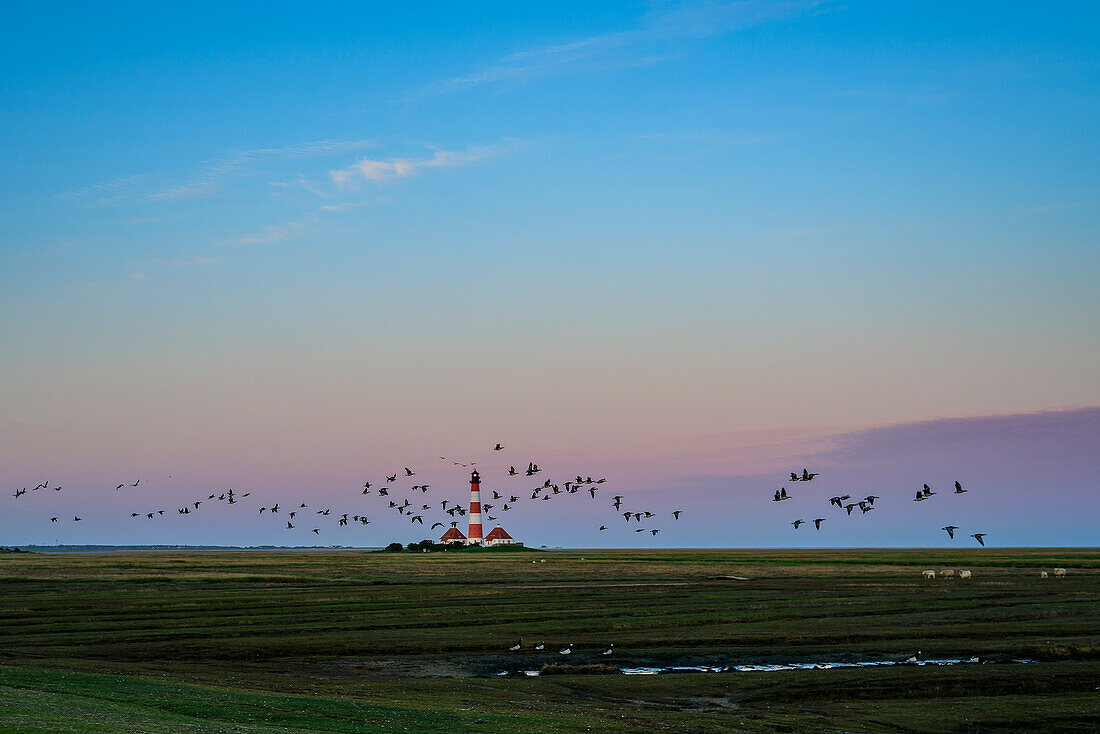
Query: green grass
[359, 641]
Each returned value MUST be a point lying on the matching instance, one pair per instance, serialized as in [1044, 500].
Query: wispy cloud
[207, 177]
[344, 206]
[274, 233]
[194, 260]
[371, 169]
[658, 35]
[139, 276]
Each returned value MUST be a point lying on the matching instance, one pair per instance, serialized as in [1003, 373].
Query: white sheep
[931, 574]
[1059, 573]
[947, 573]
[964, 574]
[1043, 574]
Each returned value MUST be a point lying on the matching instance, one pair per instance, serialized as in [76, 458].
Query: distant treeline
[428, 546]
[184, 548]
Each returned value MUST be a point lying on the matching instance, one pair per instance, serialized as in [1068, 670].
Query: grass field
[346, 641]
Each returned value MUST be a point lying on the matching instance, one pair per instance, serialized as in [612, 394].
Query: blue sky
[394, 230]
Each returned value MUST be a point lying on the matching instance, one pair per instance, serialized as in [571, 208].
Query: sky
[689, 247]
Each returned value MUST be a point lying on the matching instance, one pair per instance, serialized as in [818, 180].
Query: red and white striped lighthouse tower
[474, 534]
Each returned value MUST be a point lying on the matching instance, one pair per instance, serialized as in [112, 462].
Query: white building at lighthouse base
[498, 536]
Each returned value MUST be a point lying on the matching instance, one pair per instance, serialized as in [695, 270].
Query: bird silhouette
[498, 447]
[817, 523]
[959, 488]
[676, 514]
[978, 537]
[950, 530]
[796, 523]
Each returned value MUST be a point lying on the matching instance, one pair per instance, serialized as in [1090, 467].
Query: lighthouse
[497, 536]
[473, 537]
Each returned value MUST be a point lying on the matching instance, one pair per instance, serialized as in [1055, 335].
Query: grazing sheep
[1043, 575]
[964, 574]
[947, 573]
[1059, 573]
[928, 574]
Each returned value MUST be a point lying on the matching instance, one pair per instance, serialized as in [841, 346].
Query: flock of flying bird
[432, 515]
[426, 513]
[867, 504]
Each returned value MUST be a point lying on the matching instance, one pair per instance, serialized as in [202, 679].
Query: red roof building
[498, 536]
[453, 536]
